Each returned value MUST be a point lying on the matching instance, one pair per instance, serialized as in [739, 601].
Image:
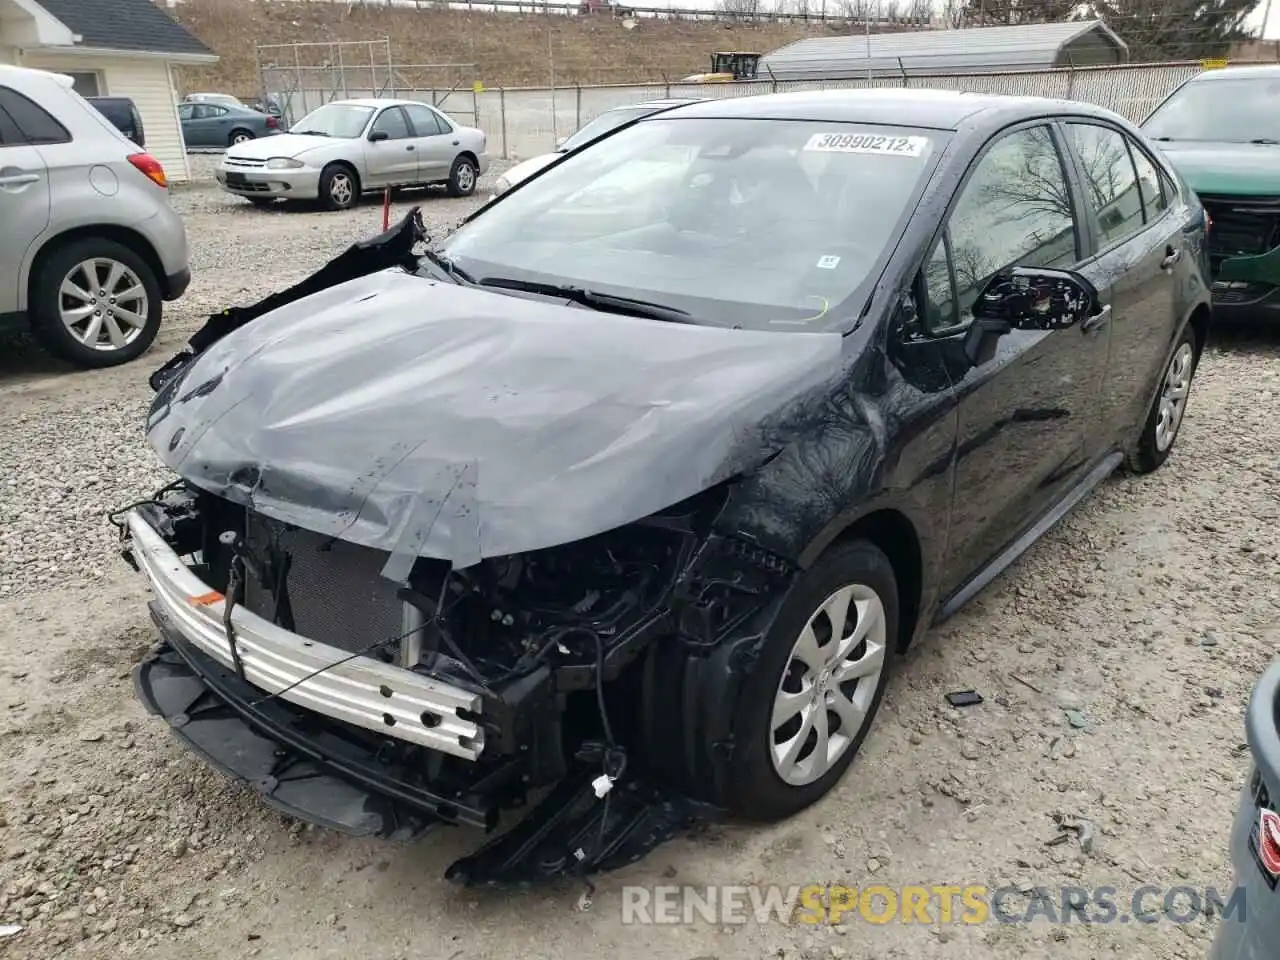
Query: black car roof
[933, 109]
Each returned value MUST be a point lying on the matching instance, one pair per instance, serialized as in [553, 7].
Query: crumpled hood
[428, 419]
[1240, 169]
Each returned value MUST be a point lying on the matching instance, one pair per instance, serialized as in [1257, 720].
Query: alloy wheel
[1173, 396]
[341, 189]
[828, 684]
[103, 304]
[466, 177]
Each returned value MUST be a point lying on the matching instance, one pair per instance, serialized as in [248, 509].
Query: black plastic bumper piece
[296, 761]
[306, 773]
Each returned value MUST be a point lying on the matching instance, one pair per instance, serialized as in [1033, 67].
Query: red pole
[386, 210]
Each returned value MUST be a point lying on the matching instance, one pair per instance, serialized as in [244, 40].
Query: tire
[756, 788]
[54, 328]
[1164, 420]
[463, 177]
[239, 136]
[339, 187]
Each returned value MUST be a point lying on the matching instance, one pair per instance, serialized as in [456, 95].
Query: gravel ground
[1115, 659]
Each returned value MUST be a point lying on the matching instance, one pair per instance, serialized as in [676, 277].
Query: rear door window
[35, 124]
[1155, 192]
[1110, 181]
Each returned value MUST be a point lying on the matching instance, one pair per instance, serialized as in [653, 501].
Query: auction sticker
[867, 143]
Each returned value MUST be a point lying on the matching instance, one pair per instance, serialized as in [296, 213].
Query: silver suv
[90, 246]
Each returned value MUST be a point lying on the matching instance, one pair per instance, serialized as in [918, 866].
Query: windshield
[768, 224]
[343, 120]
[602, 125]
[1234, 111]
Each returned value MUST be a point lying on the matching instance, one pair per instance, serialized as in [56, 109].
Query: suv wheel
[462, 178]
[1170, 405]
[809, 703]
[96, 303]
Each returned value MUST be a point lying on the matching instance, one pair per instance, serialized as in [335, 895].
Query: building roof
[134, 25]
[1035, 46]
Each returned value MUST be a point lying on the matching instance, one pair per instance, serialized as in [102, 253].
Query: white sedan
[348, 147]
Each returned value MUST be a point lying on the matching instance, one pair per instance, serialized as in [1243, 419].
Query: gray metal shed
[1037, 46]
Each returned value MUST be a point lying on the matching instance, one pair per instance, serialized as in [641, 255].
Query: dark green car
[1221, 131]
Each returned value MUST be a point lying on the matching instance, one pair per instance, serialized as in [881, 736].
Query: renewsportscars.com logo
[936, 904]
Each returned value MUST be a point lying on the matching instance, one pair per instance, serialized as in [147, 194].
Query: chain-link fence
[524, 122]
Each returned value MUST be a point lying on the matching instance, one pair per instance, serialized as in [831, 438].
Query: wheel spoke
[868, 665]
[134, 292]
[787, 752]
[851, 715]
[787, 705]
[91, 331]
[870, 614]
[807, 650]
[130, 317]
[113, 277]
[72, 315]
[114, 333]
[71, 289]
[820, 760]
[837, 611]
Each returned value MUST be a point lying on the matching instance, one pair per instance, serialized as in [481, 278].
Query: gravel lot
[1115, 660]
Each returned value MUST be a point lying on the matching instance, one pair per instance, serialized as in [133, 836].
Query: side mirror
[378, 136]
[1027, 298]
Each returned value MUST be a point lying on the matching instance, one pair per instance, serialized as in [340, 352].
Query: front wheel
[338, 189]
[463, 177]
[808, 705]
[1167, 410]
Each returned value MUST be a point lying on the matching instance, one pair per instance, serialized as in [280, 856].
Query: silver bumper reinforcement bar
[364, 692]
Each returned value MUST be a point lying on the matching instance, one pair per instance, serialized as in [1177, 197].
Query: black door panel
[1024, 413]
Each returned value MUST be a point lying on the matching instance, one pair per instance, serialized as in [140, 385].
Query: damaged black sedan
[620, 502]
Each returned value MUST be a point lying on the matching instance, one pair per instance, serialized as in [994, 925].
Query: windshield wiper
[450, 269]
[1266, 141]
[604, 302]
[310, 133]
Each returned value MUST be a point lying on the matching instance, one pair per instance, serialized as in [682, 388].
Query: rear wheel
[339, 189]
[96, 303]
[1167, 410]
[240, 136]
[463, 177]
[808, 705]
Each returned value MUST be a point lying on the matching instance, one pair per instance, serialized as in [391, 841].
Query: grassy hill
[509, 49]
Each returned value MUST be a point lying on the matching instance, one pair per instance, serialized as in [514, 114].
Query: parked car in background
[347, 147]
[90, 246]
[1221, 130]
[219, 125]
[606, 122]
[123, 114]
[1253, 932]
[639, 500]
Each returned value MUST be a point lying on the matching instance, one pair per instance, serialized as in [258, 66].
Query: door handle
[1172, 256]
[456, 142]
[18, 179]
[409, 147]
[1097, 321]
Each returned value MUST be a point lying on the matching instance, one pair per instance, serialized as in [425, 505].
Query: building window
[87, 84]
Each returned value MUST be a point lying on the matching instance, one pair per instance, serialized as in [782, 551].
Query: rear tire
[777, 771]
[339, 188]
[463, 177]
[76, 319]
[239, 136]
[1164, 420]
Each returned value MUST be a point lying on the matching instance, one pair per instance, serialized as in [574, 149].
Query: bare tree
[741, 9]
